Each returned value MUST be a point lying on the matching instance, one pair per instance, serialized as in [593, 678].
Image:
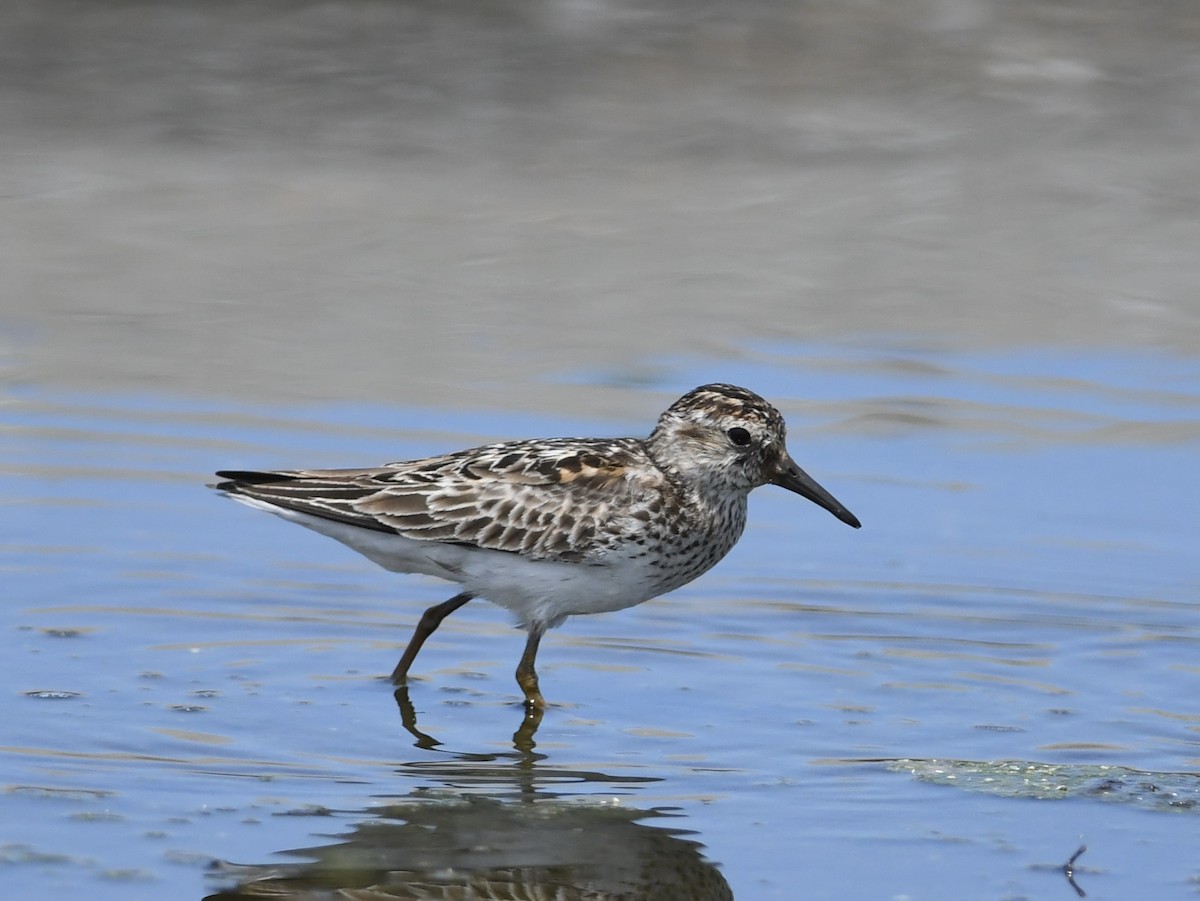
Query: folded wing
[505, 497]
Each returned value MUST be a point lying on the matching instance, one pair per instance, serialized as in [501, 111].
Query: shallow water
[954, 240]
[192, 681]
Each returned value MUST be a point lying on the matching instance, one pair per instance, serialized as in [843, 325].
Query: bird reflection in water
[513, 839]
[522, 739]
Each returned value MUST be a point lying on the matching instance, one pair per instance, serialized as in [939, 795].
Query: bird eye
[739, 436]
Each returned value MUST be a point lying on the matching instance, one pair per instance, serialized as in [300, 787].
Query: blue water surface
[191, 681]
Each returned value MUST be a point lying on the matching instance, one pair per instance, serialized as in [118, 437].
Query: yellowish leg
[430, 620]
[526, 674]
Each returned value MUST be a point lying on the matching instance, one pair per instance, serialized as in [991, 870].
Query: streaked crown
[721, 434]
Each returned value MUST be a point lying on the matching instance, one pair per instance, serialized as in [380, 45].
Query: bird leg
[430, 620]
[526, 674]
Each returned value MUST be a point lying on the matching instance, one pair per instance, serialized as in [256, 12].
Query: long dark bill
[793, 478]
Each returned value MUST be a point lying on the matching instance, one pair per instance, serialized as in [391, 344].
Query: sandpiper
[552, 528]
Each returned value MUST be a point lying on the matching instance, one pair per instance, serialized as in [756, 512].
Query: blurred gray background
[317, 201]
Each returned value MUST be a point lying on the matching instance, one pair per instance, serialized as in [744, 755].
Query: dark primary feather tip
[235, 477]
